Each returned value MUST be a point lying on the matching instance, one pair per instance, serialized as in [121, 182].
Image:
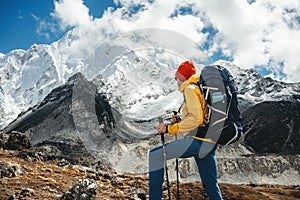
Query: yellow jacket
[194, 108]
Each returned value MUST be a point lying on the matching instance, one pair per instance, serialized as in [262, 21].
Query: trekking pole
[160, 120]
[177, 168]
[177, 174]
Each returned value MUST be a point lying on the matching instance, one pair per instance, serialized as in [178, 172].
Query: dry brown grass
[46, 180]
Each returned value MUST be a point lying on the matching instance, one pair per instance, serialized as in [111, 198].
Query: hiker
[193, 122]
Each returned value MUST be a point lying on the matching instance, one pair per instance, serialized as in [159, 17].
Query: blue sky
[20, 20]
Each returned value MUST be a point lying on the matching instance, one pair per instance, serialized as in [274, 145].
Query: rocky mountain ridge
[272, 127]
[254, 88]
[54, 118]
[146, 76]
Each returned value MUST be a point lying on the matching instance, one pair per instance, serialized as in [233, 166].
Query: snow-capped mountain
[138, 84]
[254, 88]
[137, 73]
[26, 77]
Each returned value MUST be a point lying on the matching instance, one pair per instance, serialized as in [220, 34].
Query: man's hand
[175, 118]
[161, 128]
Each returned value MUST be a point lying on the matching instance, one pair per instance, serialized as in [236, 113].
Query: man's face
[179, 82]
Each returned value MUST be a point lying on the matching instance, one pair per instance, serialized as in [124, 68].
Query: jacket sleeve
[194, 114]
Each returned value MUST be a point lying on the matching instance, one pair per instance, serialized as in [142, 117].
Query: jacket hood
[192, 80]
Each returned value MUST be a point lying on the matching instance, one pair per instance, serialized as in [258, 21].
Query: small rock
[63, 162]
[27, 192]
[139, 193]
[12, 197]
[17, 141]
[11, 170]
[83, 190]
[114, 181]
[90, 172]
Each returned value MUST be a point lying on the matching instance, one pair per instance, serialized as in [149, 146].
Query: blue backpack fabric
[224, 117]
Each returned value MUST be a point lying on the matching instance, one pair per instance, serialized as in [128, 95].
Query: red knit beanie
[185, 70]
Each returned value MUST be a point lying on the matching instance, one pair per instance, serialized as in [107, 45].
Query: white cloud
[258, 34]
[263, 33]
[71, 13]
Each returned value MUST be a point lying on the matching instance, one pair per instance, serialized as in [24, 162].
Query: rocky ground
[28, 172]
[23, 179]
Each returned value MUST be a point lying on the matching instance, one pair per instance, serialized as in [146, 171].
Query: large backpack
[224, 120]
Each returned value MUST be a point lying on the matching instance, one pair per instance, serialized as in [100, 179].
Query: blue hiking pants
[204, 154]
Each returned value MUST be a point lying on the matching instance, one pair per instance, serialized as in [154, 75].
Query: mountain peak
[57, 119]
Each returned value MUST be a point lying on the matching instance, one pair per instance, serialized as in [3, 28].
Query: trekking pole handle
[160, 120]
[178, 119]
